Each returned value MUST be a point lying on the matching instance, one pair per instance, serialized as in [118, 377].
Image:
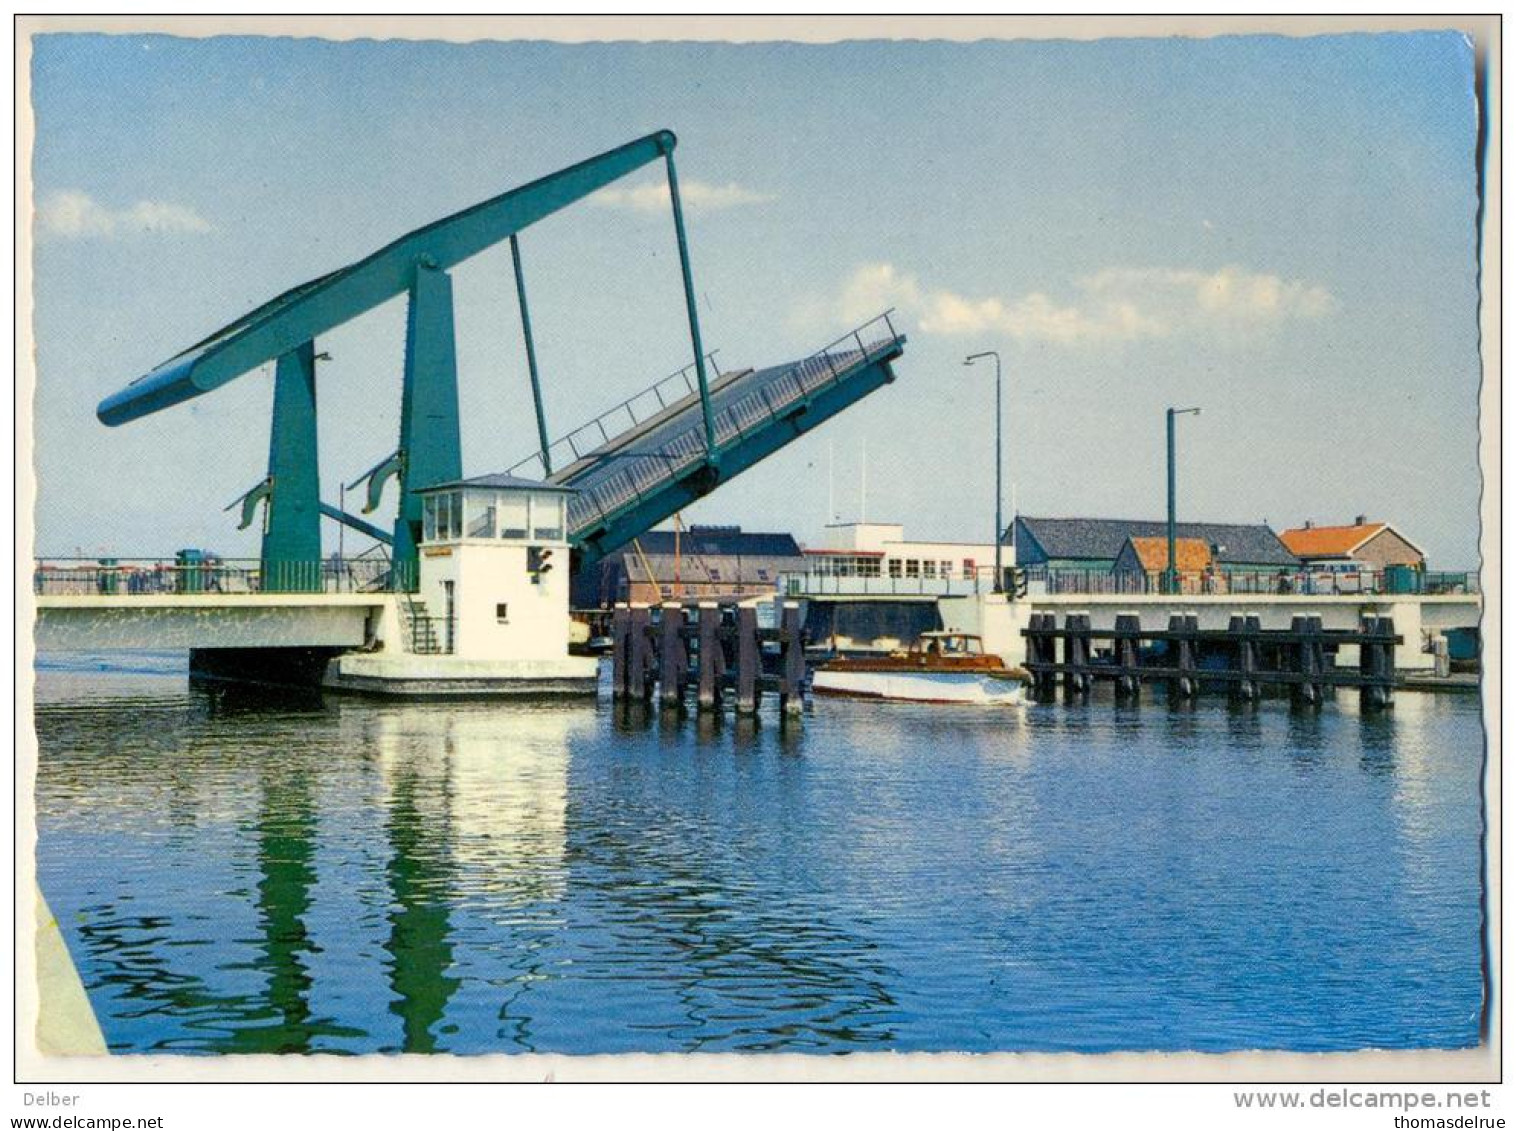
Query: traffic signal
[539, 561]
[1018, 583]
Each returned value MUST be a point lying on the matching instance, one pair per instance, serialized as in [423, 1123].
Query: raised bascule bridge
[465, 593]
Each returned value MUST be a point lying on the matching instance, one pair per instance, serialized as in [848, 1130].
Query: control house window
[547, 518]
[513, 517]
[481, 520]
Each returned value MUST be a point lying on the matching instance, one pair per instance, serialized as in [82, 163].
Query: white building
[880, 549]
[490, 614]
[495, 567]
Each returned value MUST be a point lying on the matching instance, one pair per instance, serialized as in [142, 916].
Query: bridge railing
[1280, 582]
[147, 577]
[643, 471]
[635, 410]
[832, 585]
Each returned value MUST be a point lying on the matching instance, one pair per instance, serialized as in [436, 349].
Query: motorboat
[940, 667]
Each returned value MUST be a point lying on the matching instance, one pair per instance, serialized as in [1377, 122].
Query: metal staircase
[420, 629]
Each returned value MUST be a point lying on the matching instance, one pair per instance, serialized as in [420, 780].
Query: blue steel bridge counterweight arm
[416, 265]
[311, 309]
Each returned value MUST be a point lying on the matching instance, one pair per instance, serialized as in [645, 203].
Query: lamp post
[1171, 574]
[973, 357]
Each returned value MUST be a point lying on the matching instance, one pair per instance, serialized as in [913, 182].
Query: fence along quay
[1243, 656]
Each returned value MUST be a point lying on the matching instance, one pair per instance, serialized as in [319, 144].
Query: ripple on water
[243, 873]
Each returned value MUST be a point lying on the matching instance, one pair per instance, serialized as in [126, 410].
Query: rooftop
[1101, 539]
[1330, 541]
[499, 480]
[716, 541]
[1191, 555]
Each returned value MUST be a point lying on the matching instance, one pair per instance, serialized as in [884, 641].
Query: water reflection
[286, 836]
[272, 875]
[222, 700]
[1306, 736]
[726, 959]
[475, 800]
[417, 826]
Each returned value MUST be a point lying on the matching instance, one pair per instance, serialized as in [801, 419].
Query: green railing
[1278, 582]
[148, 577]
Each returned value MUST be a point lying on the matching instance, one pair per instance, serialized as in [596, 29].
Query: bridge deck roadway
[671, 443]
[208, 620]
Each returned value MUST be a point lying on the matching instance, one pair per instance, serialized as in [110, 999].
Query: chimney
[1309, 525]
[1361, 520]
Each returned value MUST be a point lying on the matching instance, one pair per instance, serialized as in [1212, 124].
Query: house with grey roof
[702, 562]
[1096, 543]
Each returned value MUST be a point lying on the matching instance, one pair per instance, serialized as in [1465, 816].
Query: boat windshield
[949, 644]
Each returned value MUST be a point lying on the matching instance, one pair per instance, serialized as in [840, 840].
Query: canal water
[240, 873]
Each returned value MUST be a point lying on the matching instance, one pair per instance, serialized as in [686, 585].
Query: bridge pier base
[267, 667]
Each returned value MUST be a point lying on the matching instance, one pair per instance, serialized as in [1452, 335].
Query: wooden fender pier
[716, 648]
[1301, 657]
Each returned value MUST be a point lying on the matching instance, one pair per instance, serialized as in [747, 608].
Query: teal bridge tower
[630, 468]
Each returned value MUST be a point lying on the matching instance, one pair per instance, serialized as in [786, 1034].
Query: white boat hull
[921, 687]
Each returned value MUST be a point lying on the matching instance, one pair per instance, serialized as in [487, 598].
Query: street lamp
[973, 357]
[1171, 574]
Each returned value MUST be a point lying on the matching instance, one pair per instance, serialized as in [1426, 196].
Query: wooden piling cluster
[1244, 657]
[716, 648]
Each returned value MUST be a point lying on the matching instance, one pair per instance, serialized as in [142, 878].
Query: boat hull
[921, 687]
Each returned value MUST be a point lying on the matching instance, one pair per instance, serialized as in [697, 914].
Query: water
[247, 874]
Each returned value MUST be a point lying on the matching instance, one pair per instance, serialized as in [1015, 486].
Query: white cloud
[75, 215]
[1117, 304]
[695, 195]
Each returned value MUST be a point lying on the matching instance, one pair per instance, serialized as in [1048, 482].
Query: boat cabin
[947, 644]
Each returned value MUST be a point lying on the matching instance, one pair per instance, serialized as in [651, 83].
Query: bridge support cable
[689, 306]
[531, 358]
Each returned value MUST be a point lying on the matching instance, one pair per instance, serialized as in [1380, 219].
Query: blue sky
[1280, 230]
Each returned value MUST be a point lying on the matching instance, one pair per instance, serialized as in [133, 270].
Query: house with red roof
[1363, 545]
[1142, 561]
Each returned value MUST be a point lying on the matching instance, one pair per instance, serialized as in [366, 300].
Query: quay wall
[999, 620]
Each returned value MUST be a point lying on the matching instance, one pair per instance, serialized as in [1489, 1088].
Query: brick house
[1362, 545]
